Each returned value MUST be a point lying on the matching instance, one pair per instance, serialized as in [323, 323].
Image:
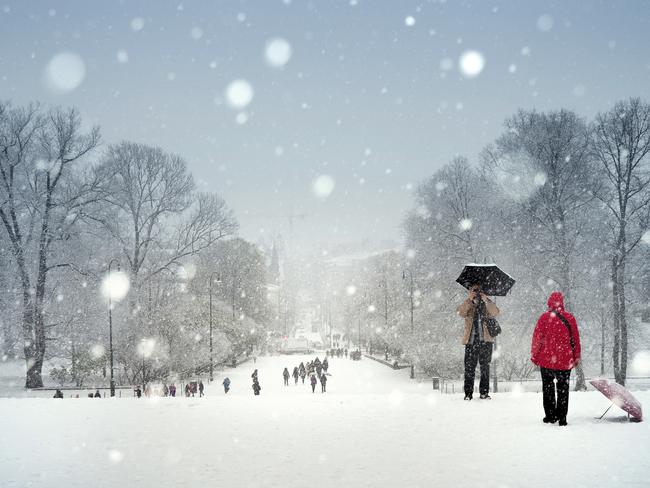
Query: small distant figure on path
[172, 390]
[555, 348]
[97, 394]
[326, 365]
[256, 387]
[138, 392]
[226, 385]
[295, 374]
[285, 375]
[188, 390]
[201, 388]
[312, 380]
[165, 390]
[323, 383]
[58, 393]
[303, 372]
[254, 375]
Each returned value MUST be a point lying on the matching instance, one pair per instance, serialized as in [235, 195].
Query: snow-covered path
[373, 428]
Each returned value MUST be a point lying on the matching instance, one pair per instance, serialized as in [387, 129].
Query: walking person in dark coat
[326, 365]
[476, 309]
[323, 382]
[555, 349]
[226, 385]
[295, 374]
[97, 394]
[254, 375]
[256, 387]
[201, 388]
[312, 380]
[285, 375]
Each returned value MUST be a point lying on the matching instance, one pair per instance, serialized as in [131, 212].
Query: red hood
[556, 301]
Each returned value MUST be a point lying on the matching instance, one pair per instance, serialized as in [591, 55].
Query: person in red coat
[556, 350]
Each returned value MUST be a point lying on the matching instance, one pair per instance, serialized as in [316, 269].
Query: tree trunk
[622, 322]
[616, 348]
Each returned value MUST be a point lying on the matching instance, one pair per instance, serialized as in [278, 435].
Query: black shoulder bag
[493, 326]
[568, 326]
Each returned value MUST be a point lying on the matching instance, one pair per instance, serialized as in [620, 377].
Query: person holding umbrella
[555, 349]
[479, 312]
[476, 310]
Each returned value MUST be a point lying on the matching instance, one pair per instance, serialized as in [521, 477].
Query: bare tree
[39, 199]
[621, 143]
[547, 155]
[152, 214]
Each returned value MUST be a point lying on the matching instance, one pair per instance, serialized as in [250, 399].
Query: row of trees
[558, 202]
[69, 207]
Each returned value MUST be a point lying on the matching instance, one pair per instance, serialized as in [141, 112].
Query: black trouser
[481, 353]
[555, 407]
[322, 386]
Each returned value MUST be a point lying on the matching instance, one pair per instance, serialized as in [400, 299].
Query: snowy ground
[373, 428]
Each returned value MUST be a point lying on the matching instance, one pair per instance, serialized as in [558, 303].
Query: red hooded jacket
[551, 346]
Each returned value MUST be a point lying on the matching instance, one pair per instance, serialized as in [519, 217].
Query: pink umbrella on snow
[619, 397]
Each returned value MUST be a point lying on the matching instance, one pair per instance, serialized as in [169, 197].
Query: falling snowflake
[465, 224]
[65, 72]
[137, 24]
[239, 93]
[278, 52]
[471, 63]
[545, 23]
[323, 186]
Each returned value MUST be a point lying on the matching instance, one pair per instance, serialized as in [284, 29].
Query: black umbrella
[494, 282]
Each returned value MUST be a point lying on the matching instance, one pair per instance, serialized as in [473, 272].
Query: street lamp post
[110, 327]
[144, 381]
[210, 292]
[411, 297]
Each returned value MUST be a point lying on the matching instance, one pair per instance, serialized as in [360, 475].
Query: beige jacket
[466, 310]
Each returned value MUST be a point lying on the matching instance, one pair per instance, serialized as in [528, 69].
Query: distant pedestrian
[201, 388]
[187, 390]
[165, 390]
[58, 394]
[295, 375]
[303, 373]
[323, 382]
[256, 387]
[172, 390]
[555, 349]
[313, 381]
[254, 375]
[226, 385]
[138, 392]
[326, 365]
[97, 394]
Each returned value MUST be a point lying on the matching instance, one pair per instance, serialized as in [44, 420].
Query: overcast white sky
[372, 95]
